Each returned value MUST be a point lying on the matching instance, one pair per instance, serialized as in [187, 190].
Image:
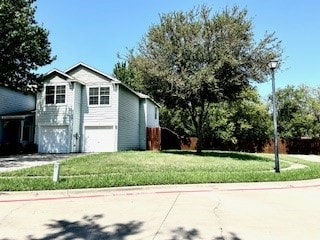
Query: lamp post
[273, 65]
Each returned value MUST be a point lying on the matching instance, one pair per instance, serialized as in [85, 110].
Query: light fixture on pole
[273, 65]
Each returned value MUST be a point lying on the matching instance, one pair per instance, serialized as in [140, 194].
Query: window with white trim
[99, 95]
[56, 94]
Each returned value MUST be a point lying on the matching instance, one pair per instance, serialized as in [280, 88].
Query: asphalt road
[288, 210]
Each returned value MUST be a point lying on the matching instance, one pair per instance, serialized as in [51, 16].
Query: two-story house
[85, 110]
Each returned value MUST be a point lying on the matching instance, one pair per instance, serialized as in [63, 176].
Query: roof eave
[93, 70]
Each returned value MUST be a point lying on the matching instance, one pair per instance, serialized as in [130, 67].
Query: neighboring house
[17, 110]
[85, 110]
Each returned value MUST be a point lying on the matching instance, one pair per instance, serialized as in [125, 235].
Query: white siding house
[16, 117]
[55, 114]
[128, 120]
[149, 117]
[85, 110]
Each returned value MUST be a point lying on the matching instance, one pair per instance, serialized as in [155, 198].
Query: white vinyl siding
[128, 120]
[76, 129]
[142, 124]
[14, 102]
[99, 116]
[99, 113]
[55, 114]
[152, 114]
[87, 76]
[96, 116]
[149, 118]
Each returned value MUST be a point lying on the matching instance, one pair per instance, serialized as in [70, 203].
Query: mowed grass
[134, 168]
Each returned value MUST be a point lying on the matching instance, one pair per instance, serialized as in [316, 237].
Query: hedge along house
[17, 112]
[85, 110]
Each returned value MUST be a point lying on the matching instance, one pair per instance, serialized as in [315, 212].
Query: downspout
[116, 126]
[81, 127]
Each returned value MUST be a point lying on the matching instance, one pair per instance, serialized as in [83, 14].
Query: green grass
[134, 168]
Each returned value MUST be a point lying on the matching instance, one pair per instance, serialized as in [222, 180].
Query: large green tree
[298, 111]
[24, 45]
[193, 59]
[244, 124]
[125, 72]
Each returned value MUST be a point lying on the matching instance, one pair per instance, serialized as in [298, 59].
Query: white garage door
[99, 139]
[53, 139]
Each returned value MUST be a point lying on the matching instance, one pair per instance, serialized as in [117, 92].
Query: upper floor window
[55, 94]
[155, 113]
[99, 96]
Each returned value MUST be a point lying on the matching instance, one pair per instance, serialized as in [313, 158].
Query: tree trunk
[200, 142]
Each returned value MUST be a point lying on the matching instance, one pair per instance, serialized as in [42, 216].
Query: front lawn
[135, 168]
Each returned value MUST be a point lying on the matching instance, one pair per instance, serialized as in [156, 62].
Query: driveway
[15, 162]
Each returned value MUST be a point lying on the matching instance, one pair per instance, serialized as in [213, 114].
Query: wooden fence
[154, 138]
[163, 138]
[295, 146]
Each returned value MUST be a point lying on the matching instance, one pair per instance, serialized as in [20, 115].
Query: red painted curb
[156, 192]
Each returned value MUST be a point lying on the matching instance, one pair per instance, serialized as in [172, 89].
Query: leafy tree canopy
[192, 59]
[298, 111]
[127, 74]
[244, 124]
[24, 45]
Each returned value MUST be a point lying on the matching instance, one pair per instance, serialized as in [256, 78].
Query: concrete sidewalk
[284, 210]
[310, 157]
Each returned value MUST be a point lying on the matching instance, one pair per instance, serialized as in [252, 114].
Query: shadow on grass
[88, 228]
[233, 155]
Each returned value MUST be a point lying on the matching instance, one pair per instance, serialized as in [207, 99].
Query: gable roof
[115, 80]
[58, 72]
[144, 96]
[92, 69]
[63, 75]
[69, 78]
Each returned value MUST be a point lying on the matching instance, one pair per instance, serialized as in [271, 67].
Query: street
[288, 210]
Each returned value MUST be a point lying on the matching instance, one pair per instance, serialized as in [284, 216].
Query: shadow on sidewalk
[88, 228]
[193, 234]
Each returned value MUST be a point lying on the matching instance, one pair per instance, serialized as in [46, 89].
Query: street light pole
[273, 65]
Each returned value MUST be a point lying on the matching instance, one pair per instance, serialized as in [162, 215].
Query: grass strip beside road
[134, 168]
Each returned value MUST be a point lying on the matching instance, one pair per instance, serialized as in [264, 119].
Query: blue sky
[96, 31]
